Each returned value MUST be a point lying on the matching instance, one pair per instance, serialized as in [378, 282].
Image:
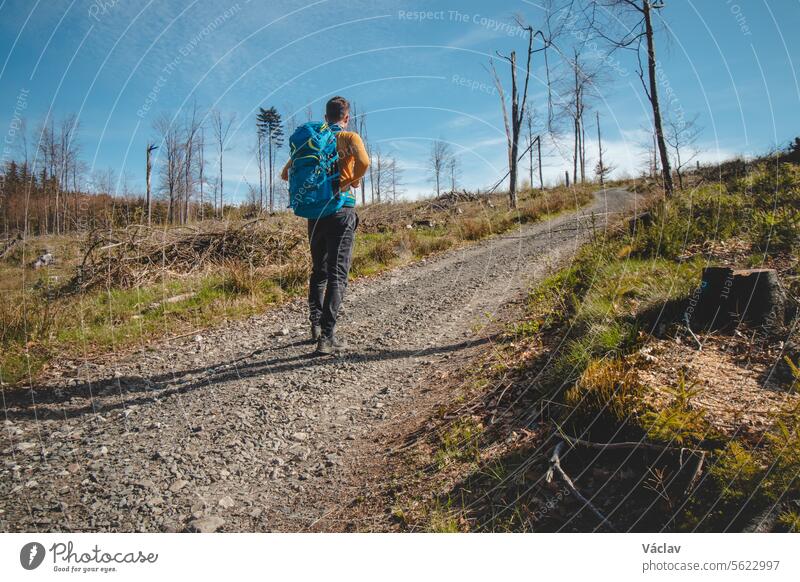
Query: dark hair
[336, 108]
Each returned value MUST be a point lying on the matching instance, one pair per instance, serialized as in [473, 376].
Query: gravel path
[242, 429]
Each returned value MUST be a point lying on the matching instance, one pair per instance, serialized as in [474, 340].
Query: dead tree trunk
[530, 149]
[150, 148]
[654, 102]
[601, 168]
[518, 104]
[541, 177]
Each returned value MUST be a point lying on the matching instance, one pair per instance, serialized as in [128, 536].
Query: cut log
[731, 296]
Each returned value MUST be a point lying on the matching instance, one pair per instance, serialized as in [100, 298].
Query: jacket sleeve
[361, 158]
[285, 170]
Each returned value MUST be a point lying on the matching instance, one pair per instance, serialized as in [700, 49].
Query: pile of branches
[7, 248]
[447, 200]
[387, 217]
[137, 255]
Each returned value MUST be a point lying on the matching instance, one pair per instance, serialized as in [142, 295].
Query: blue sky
[120, 64]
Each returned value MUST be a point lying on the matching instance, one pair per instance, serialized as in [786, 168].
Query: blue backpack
[314, 174]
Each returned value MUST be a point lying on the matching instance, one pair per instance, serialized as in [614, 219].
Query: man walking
[331, 234]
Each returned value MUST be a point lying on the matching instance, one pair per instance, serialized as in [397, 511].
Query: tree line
[48, 188]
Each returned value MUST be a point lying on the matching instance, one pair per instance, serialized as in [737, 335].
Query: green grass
[460, 442]
[601, 299]
[578, 338]
[442, 518]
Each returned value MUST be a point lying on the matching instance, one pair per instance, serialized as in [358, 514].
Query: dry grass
[728, 378]
[606, 385]
[94, 298]
[475, 228]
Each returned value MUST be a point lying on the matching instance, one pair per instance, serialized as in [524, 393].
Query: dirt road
[242, 428]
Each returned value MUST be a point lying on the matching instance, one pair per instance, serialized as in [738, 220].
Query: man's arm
[356, 148]
[285, 170]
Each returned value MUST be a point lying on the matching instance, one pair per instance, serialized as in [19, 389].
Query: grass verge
[571, 367]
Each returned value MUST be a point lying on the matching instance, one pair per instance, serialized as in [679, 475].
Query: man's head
[337, 110]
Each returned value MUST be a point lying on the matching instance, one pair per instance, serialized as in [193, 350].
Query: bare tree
[222, 127]
[453, 170]
[635, 18]
[359, 121]
[380, 174]
[191, 133]
[48, 154]
[149, 170]
[440, 156]
[395, 177]
[602, 170]
[172, 153]
[105, 181]
[270, 133]
[260, 160]
[585, 79]
[201, 166]
[577, 119]
[529, 120]
[68, 153]
[386, 176]
[513, 122]
[681, 135]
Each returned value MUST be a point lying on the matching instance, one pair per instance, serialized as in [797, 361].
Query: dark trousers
[331, 240]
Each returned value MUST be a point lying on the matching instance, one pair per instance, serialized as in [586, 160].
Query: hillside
[603, 406]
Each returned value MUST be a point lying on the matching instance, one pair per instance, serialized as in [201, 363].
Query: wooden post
[539, 147]
[566, 175]
[202, 163]
[150, 148]
[655, 157]
[600, 149]
[530, 151]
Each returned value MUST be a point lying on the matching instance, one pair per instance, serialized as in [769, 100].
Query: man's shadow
[103, 395]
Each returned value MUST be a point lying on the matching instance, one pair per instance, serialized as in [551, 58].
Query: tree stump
[732, 296]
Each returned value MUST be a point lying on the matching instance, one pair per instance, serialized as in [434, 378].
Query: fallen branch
[689, 327]
[696, 474]
[698, 469]
[612, 446]
[555, 468]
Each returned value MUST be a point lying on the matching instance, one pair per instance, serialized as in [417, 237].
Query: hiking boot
[316, 332]
[330, 345]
